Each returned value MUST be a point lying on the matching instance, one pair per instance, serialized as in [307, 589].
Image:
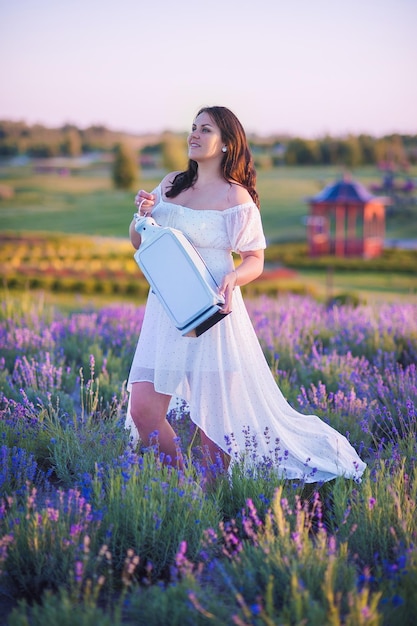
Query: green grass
[370, 287]
[77, 204]
[87, 203]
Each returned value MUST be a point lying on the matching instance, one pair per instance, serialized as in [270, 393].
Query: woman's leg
[148, 409]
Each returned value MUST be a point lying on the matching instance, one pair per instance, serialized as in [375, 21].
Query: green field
[369, 287]
[87, 203]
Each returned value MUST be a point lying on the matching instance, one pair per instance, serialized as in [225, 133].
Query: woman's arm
[251, 267]
[135, 238]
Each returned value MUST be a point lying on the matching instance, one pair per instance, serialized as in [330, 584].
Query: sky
[299, 67]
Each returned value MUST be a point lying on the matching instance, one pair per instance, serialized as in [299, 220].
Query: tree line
[19, 138]
[38, 141]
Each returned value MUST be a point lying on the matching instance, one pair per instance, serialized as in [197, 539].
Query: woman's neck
[207, 174]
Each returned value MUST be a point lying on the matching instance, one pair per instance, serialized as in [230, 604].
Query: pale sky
[303, 67]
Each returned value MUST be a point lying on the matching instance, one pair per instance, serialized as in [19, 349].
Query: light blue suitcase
[179, 277]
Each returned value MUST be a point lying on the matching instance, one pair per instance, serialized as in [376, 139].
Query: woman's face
[204, 141]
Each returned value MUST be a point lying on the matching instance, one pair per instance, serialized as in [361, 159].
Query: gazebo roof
[343, 191]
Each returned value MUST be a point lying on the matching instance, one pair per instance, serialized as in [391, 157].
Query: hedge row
[295, 255]
[138, 288]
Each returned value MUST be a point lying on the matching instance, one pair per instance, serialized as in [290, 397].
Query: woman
[222, 374]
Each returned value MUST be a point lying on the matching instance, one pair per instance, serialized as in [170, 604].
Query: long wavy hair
[237, 163]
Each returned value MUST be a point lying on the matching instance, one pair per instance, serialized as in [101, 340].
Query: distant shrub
[125, 167]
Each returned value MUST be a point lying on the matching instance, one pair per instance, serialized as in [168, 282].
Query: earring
[224, 149]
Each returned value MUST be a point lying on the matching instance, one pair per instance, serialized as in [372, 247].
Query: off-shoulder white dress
[223, 374]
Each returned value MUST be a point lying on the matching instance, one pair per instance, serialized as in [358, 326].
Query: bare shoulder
[238, 195]
[166, 182]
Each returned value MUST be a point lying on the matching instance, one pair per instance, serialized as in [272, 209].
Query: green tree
[301, 152]
[348, 152]
[325, 150]
[8, 149]
[71, 146]
[367, 145]
[43, 150]
[125, 167]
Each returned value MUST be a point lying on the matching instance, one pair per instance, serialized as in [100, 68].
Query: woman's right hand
[144, 202]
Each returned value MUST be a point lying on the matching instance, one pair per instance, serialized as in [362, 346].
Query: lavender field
[95, 532]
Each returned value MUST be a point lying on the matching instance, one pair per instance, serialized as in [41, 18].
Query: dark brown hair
[237, 163]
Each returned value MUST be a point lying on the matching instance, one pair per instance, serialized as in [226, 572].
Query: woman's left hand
[226, 289]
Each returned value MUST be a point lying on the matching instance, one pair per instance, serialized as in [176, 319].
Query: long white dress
[223, 374]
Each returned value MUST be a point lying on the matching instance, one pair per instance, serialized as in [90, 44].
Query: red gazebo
[346, 220]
